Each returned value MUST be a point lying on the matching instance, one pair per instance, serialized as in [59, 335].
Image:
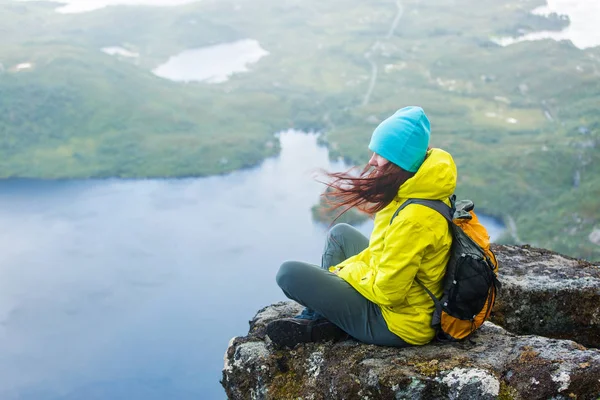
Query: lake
[582, 30]
[212, 64]
[131, 289]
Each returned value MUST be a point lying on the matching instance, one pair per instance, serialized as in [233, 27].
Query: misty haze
[158, 161]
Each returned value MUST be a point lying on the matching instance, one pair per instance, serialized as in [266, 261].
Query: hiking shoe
[288, 332]
[307, 313]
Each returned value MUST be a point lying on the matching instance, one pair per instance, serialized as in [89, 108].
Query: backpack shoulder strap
[437, 205]
[447, 212]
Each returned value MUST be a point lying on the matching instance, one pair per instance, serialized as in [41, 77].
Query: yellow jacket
[416, 244]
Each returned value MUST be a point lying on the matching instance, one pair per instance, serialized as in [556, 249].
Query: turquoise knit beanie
[403, 138]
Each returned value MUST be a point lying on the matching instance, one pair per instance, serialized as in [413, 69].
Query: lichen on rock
[494, 364]
[548, 294]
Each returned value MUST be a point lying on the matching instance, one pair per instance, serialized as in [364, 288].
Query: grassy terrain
[521, 121]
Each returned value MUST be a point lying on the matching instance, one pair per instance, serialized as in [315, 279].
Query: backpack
[470, 282]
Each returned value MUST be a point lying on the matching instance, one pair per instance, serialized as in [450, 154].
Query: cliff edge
[547, 347]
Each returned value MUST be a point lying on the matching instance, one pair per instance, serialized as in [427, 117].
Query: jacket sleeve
[388, 283]
[363, 257]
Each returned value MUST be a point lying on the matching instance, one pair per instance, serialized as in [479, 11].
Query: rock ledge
[494, 364]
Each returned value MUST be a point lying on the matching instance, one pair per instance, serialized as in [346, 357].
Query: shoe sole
[286, 333]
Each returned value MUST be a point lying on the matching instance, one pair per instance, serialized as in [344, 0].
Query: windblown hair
[370, 191]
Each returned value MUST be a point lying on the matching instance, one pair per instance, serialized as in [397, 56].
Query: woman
[366, 287]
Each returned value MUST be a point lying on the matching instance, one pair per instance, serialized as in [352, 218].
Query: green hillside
[522, 121]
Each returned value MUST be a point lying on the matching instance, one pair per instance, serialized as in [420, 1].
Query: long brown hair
[370, 191]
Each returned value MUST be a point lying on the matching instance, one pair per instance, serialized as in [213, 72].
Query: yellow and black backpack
[470, 282]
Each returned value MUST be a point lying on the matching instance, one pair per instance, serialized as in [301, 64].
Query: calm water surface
[583, 27]
[79, 6]
[212, 64]
[132, 289]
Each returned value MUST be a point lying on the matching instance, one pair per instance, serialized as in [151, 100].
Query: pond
[119, 51]
[80, 6]
[212, 64]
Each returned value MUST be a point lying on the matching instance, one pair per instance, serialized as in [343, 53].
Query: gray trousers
[331, 296]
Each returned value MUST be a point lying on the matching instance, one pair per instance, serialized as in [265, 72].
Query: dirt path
[370, 54]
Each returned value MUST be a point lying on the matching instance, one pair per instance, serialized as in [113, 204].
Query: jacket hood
[434, 180]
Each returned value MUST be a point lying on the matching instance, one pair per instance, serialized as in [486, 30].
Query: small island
[325, 213]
